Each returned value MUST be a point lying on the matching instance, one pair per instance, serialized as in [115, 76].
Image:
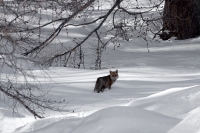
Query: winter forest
[53, 51]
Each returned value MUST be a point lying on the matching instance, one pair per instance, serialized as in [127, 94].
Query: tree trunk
[182, 18]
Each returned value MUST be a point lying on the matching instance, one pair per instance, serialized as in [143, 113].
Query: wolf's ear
[117, 70]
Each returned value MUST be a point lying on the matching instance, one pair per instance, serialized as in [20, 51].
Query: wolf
[106, 81]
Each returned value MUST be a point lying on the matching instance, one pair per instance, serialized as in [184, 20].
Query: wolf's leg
[99, 88]
[96, 88]
[109, 86]
[103, 88]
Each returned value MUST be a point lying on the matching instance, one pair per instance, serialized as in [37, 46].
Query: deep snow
[157, 91]
[149, 98]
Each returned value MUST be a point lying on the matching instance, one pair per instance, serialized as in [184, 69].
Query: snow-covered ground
[156, 92]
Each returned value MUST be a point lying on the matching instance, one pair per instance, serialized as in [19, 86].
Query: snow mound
[114, 119]
[38, 124]
[10, 120]
[177, 104]
[190, 124]
[125, 119]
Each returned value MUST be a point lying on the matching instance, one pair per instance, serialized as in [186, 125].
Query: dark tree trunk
[182, 18]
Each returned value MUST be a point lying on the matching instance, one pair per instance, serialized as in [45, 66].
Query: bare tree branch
[58, 29]
[93, 31]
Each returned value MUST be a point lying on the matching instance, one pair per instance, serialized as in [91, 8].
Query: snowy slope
[114, 119]
[157, 98]
[154, 98]
[153, 91]
[190, 124]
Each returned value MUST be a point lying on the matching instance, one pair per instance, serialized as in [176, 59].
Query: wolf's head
[114, 75]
